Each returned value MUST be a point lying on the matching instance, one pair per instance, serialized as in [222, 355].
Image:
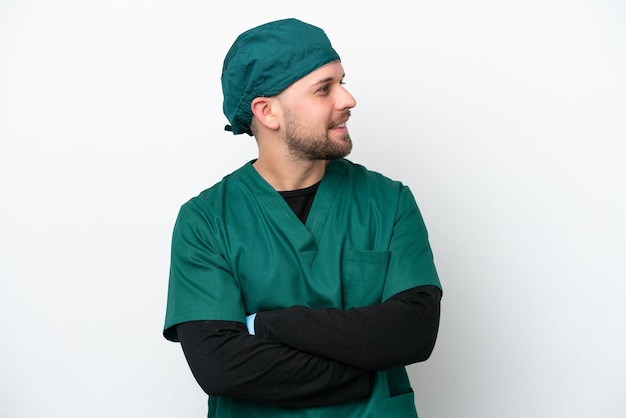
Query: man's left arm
[400, 330]
[397, 332]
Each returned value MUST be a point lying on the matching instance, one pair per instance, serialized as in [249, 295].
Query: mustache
[342, 119]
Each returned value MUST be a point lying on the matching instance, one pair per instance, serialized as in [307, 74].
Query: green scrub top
[238, 248]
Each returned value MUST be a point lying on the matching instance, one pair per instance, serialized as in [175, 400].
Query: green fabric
[267, 59]
[238, 248]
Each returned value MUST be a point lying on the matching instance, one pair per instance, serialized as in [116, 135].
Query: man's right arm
[227, 361]
[224, 358]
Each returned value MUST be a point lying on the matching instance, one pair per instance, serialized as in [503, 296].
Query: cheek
[309, 115]
[316, 116]
[309, 118]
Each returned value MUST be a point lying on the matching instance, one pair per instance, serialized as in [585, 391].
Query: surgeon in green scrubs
[301, 284]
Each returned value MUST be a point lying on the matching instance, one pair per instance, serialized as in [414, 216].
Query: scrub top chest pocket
[363, 274]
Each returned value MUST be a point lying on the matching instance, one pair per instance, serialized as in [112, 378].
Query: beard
[307, 144]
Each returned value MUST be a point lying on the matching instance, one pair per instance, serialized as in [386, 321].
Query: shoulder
[209, 205]
[360, 176]
[373, 188]
[213, 198]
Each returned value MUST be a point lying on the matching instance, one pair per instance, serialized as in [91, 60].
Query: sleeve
[201, 286]
[227, 361]
[397, 332]
[411, 261]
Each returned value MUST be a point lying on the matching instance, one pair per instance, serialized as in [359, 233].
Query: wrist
[250, 323]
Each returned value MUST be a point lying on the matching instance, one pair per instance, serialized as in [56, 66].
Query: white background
[507, 119]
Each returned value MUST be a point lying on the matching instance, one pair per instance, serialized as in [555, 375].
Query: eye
[324, 89]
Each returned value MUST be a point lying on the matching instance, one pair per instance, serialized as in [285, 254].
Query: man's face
[315, 111]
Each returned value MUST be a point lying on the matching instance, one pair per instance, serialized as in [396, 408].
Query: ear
[264, 111]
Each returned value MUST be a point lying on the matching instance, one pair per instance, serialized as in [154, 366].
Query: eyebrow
[326, 80]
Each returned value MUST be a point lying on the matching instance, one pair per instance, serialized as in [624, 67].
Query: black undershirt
[301, 200]
[289, 361]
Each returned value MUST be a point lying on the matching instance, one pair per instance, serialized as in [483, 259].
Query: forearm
[227, 361]
[400, 331]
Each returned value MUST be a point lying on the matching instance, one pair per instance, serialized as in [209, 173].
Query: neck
[287, 174]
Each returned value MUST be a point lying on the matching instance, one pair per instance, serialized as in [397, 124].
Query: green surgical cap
[267, 59]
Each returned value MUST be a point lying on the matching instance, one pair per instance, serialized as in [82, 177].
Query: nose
[345, 100]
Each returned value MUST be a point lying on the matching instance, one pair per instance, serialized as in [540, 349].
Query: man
[301, 284]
